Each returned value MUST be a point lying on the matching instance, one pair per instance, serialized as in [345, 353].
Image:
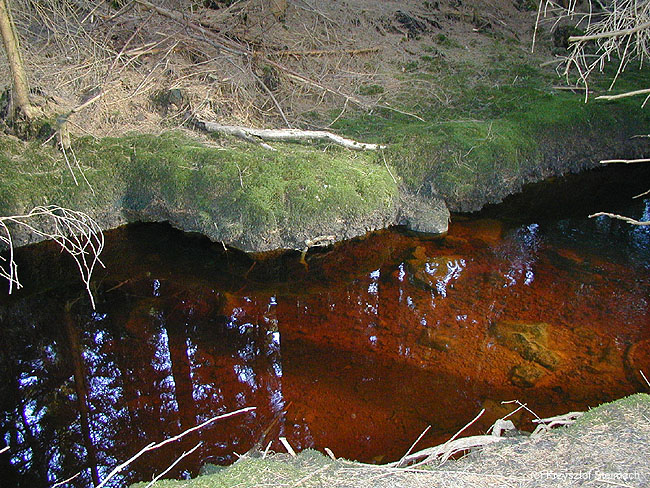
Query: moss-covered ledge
[494, 139]
[243, 195]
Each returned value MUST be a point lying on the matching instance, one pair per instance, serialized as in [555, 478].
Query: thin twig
[76, 233]
[60, 483]
[171, 466]
[413, 445]
[287, 446]
[156, 445]
[644, 377]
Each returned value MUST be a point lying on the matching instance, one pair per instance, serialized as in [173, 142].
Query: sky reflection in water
[358, 350]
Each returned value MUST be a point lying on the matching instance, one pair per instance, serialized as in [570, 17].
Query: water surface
[356, 348]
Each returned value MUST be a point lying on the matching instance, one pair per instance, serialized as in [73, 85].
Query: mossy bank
[467, 113]
[244, 196]
[260, 200]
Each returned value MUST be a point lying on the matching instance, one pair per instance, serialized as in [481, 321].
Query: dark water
[357, 348]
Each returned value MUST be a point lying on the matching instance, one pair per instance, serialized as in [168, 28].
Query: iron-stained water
[357, 348]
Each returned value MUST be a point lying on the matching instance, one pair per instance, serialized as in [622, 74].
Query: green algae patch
[242, 194]
[309, 468]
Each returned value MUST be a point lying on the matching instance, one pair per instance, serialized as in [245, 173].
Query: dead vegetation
[606, 446]
[146, 66]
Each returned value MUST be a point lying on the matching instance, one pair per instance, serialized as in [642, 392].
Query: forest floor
[468, 114]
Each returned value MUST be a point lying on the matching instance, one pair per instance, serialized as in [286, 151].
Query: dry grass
[239, 64]
[607, 446]
[615, 31]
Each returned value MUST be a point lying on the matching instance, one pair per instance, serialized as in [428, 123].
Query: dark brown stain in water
[358, 348]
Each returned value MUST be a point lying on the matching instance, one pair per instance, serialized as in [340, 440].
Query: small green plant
[444, 40]
[410, 66]
[370, 90]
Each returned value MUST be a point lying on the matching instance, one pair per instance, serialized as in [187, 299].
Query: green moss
[612, 412]
[370, 89]
[444, 40]
[235, 191]
[492, 130]
[308, 469]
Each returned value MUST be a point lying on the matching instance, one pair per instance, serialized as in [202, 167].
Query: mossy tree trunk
[12, 47]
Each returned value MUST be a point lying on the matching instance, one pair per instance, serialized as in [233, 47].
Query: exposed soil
[154, 70]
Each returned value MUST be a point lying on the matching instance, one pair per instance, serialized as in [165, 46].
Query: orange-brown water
[357, 348]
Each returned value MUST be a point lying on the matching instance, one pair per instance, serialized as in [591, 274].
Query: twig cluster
[615, 31]
[235, 64]
[77, 233]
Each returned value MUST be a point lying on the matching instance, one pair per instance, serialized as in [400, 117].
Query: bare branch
[621, 217]
[287, 135]
[620, 31]
[624, 95]
[610, 34]
[625, 161]
[171, 466]
[156, 445]
[76, 233]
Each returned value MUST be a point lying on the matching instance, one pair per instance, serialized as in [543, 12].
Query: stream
[357, 347]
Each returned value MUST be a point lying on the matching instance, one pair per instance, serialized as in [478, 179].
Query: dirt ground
[246, 62]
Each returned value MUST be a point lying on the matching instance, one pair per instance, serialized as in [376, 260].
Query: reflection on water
[358, 349]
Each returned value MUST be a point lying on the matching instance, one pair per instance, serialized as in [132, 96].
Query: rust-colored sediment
[359, 348]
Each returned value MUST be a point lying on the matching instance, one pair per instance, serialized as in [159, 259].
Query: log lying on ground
[286, 135]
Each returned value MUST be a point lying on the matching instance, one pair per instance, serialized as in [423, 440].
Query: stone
[529, 340]
[526, 375]
[434, 338]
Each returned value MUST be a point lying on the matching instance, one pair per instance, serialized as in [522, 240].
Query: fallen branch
[624, 161]
[610, 34]
[544, 425]
[624, 95]
[156, 445]
[319, 52]
[286, 135]
[445, 451]
[621, 217]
